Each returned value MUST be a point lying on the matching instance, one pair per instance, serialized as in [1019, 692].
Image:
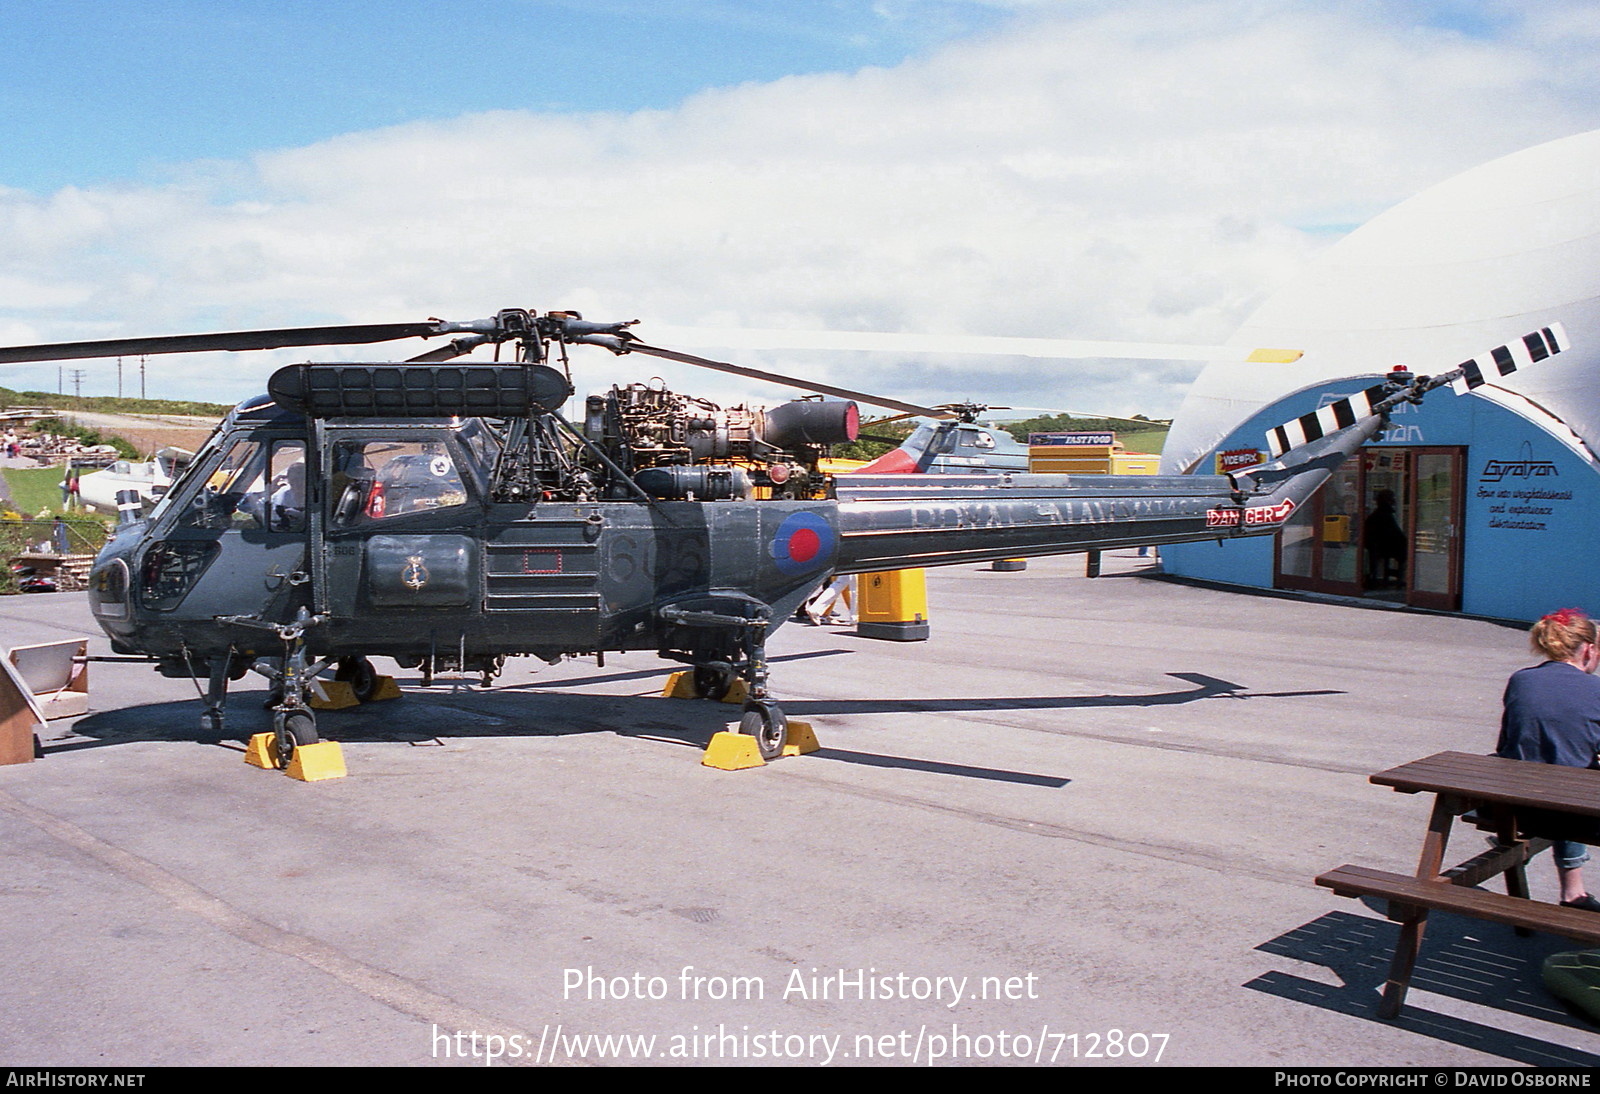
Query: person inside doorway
[1385, 542]
[1552, 715]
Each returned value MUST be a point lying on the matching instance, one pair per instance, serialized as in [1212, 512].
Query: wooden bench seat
[1406, 893]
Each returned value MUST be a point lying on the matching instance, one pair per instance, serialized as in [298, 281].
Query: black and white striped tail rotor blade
[1324, 420]
[1502, 361]
[1485, 368]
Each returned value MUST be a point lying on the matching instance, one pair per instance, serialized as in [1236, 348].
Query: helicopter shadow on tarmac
[454, 709]
[1204, 687]
[471, 713]
[528, 708]
[448, 710]
[1467, 960]
[457, 709]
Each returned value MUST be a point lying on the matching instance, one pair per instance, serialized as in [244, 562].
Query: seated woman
[1552, 716]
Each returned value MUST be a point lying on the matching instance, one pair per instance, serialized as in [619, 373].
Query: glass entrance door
[1386, 525]
[1436, 530]
[1319, 550]
[1386, 516]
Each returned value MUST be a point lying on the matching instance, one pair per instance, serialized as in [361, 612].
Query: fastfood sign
[1070, 440]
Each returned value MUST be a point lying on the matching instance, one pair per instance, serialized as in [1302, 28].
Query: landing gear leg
[293, 728]
[211, 718]
[763, 719]
[491, 667]
[738, 626]
[293, 723]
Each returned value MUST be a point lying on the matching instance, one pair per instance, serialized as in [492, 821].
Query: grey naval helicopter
[953, 440]
[447, 515]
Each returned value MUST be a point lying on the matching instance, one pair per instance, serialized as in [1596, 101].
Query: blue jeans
[1570, 854]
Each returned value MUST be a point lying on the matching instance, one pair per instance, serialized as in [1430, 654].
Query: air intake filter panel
[418, 391]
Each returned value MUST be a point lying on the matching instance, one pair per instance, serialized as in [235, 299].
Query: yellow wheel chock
[730, 751]
[315, 762]
[310, 763]
[262, 751]
[680, 685]
[331, 695]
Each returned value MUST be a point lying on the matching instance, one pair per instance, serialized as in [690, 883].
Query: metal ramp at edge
[40, 683]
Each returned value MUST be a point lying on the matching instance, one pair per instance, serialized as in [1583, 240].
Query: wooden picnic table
[1499, 794]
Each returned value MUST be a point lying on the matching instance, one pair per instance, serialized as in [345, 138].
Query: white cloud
[1141, 170]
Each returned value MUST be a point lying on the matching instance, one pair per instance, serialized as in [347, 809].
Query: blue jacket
[1552, 716]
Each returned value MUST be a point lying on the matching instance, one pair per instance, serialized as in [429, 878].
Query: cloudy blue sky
[1059, 168]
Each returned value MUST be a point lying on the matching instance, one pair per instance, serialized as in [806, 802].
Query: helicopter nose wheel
[293, 728]
[765, 721]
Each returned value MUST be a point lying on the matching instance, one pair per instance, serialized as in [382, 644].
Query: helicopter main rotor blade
[932, 412]
[226, 340]
[751, 338]
[452, 349]
[787, 381]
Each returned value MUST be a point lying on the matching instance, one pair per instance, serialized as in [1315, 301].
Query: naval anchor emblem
[415, 575]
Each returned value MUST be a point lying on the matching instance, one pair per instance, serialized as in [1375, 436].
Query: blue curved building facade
[1497, 503]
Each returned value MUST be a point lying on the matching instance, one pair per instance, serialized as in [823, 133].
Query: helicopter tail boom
[903, 522]
[891, 522]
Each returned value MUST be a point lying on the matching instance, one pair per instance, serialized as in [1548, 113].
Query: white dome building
[1496, 495]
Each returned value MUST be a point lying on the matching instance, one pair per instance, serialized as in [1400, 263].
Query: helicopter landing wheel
[211, 725]
[360, 675]
[713, 679]
[766, 722]
[294, 728]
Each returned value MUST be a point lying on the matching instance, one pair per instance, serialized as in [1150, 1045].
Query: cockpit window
[240, 469]
[255, 486]
[280, 505]
[380, 480]
[920, 438]
[217, 503]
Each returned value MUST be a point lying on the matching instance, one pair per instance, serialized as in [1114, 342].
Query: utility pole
[119, 377]
[77, 397]
[141, 376]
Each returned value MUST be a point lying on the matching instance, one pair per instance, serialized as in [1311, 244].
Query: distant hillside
[111, 404]
[1137, 434]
